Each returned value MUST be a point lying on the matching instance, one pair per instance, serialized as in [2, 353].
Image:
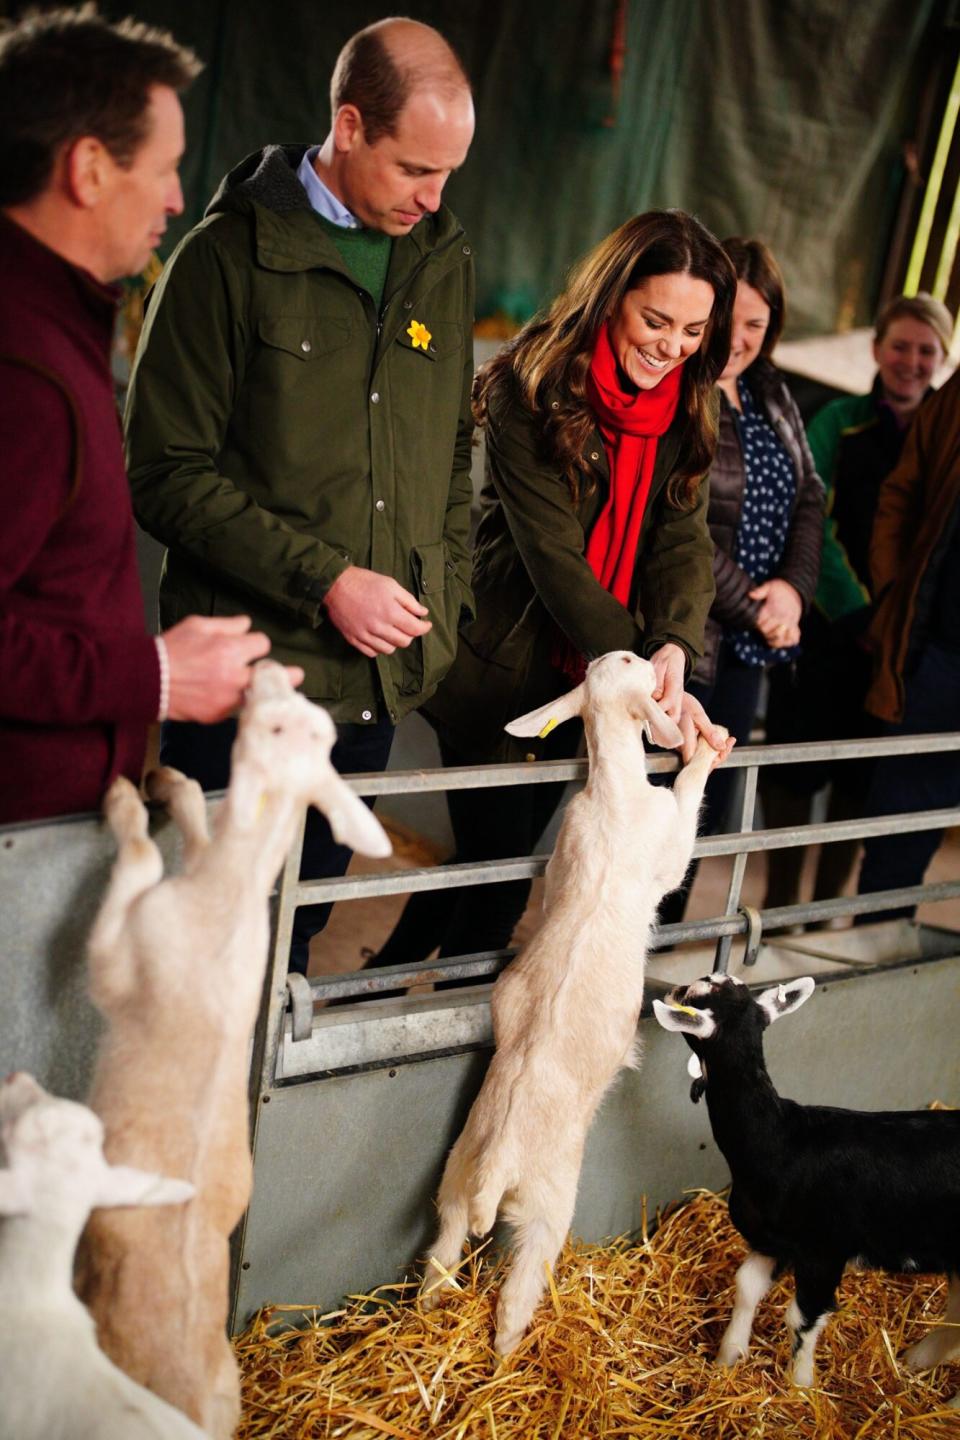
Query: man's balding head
[382, 67]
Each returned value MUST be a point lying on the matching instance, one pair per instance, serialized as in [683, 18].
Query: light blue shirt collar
[321, 198]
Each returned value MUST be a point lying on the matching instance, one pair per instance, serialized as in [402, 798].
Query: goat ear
[13, 1196]
[245, 795]
[687, 1021]
[781, 1000]
[352, 822]
[125, 1185]
[541, 722]
[659, 728]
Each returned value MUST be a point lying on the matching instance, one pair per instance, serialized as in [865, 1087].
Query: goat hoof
[506, 1341]
[927, 1353]
[730, 1355]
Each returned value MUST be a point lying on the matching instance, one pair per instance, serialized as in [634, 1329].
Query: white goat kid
[55, 1382]
[177, 967]
[565, 1012]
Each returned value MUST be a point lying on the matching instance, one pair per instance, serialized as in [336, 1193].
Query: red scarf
[630, 424]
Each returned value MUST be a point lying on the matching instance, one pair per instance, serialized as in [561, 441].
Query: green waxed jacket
[278, 430]
[534, 587]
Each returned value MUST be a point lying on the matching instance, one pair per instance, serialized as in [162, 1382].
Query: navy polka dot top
[768, 495]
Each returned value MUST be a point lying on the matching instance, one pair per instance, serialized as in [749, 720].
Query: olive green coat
[532, 581]
[279, 430]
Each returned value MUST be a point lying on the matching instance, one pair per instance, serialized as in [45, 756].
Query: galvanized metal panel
[52, 880]
[347, 1167]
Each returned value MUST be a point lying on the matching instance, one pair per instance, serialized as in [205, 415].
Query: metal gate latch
[301, 1006]
[754, 934]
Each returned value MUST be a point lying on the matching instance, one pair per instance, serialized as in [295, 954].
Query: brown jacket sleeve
[900, 505]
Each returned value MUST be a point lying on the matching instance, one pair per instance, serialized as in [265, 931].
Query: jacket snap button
[375, 398]
[366, 714]
[408, 304]
[380, 505]
[305, 346]
[554, 404]
[594, 454]
[466, 249]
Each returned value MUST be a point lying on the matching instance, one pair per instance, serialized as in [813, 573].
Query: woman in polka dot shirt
[766, 519]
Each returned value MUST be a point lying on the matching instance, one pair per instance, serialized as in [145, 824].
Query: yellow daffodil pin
[419, 334]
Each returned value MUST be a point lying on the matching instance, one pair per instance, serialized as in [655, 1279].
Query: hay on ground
[622, 1345]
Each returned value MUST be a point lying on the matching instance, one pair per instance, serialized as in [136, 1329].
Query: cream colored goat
[565, 1012]
[176, 967]
[54, 1381]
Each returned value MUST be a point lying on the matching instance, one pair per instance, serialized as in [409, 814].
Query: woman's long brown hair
[551, 354]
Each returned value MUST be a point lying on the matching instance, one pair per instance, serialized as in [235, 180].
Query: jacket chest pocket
[303, 339]
[432, 342]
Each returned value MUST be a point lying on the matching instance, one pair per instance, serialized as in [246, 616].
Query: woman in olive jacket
[600, 426]
[766, 519]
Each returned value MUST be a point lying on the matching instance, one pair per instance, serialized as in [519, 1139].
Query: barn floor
[621, 1346]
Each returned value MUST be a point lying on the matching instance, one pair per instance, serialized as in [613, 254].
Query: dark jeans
[731, 701]
[914, 782]
[493, 824]
[203, 752]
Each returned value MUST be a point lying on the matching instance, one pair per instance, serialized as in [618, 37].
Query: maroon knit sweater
[79, 676]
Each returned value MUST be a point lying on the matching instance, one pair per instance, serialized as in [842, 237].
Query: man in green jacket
[298, 428]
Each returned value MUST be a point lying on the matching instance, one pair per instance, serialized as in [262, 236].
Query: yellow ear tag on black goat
[684, 1009]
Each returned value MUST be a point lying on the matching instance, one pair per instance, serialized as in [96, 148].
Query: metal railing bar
[543, 772]
[486, 964]
[490, 872]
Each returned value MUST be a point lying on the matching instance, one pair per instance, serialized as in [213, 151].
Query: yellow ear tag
[550, 725]
[684, 1009]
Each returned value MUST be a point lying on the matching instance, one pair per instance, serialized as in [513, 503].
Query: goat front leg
[184, 800]
[137, 868]
[691, 782]
[688, 788]
[754, 1279]
[807, 1315]
[943, 1343]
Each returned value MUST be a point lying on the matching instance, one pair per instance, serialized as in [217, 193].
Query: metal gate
[354, 1108]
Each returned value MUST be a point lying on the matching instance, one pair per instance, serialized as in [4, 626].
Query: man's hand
[695, 721]
[780, 612]
[374, 613]
[670, 663]
[210, 659]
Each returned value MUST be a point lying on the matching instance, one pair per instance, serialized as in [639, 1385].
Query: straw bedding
[621, 1346]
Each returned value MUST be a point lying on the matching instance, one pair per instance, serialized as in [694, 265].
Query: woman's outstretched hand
[669, 662]
[694, 721]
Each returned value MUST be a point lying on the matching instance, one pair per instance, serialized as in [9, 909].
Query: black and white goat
[813, 1186]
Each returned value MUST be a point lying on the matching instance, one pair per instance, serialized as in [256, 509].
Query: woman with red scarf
[601, 424]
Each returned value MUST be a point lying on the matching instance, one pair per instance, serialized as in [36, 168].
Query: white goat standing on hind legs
[565, 1012]
[177, 967]
[55, 1383]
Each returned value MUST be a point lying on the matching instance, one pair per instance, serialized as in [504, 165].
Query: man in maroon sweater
[91, 134]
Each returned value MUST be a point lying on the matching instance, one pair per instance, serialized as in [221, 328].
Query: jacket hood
[268, 178]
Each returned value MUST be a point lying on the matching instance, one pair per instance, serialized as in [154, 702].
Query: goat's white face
[616, 681]
[55, 1169]
[286, 739]
[283, 747]
[619, 676]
